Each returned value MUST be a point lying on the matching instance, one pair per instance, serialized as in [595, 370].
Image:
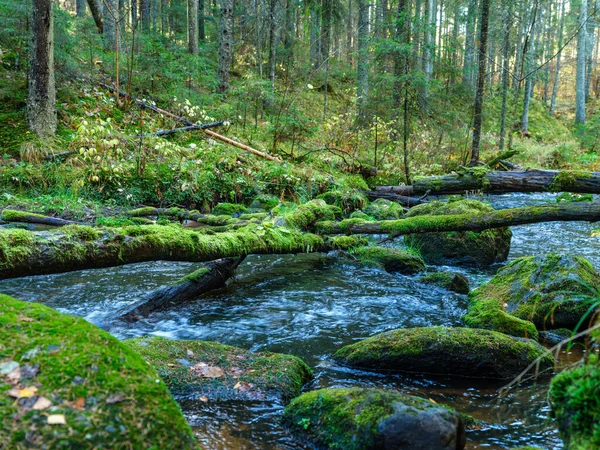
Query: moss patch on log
[306, 215]
[566, 180]
[575, 400]
[109, 396]
[445, 351]
[452, 281]
[347, 200]
[382, 209]
[228, 209]
[463, 247]
[370, 419]
[391, 259]
[195, 369]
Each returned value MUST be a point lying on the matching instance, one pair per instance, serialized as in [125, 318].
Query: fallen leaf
[14, 376]
[204, 398]
[14, 392]
[245, 386]
[28, 371]
[432, 401]
[42, 403]
[190, 353]
[237, 385]
[57, 419]
[236, 372]
[26, 319]
[79, 403]
[7, 367]
[115, 398]
[23, 393]
[206, 371]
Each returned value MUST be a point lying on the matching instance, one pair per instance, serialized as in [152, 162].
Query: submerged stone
[72, 385]
[373, 419]
[382, 209]
[575, 401]
[391, 259]
[459, 247]
[452, 281]
[213, 371]
[445, 351]
[543, 292]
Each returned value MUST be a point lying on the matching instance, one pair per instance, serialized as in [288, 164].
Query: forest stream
[310, 305]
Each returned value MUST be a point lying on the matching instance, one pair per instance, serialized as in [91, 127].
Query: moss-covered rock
[553, 337]
[575, 400]
[551, 291]
[391, 259]
[452, 281]
[196, 369]
[360, 215]
[446, 351]
[228, 209]
[306, 215]
[347, 199]
[263, 203]
[382, 209]
[373, 419]
[56, 368]
[459, 247]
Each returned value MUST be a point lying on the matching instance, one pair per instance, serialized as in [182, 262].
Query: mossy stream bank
[310, 306]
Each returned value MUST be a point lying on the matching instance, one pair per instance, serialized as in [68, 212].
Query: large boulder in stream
[445, 351]
[209, 371]
[453, 281]
[575, 400]
[64, 383]
[536, 293]
[459, 247]
[373, 419]
[391, 259]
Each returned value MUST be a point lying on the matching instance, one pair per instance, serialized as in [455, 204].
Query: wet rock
[445, 351]
[553, 337]
[575, 401]
[391, 259]
[462, 248]
[211, 371]
[41, 408]
[382, 209]
[542, 292]
[452, 281]
[373, 419]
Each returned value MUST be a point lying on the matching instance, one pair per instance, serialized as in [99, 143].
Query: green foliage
[391, 259]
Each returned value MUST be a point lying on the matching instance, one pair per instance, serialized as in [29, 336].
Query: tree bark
[501, 182]
[558, 58]
[581, 64]
[561, 212]
[192, 11]
[190, 287]
[507, 19]
[96, 10]
[80, 8]
[41, 104]
[362, 77]
[469, 60]
[225, 43]
[201, 30]
[111, 16]
[9, 215]
[478, 107]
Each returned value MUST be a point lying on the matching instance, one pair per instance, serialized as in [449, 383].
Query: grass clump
[109, 396]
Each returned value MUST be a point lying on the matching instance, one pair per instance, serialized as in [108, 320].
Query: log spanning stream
[310, 305]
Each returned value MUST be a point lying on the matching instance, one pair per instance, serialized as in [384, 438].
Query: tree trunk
[315, 49]
[530, 72]
[145, 14]
[561, 212]
[192, 10]
[325, 35]
[9, 215]
[190, 287]
[41, 103]
[225, 43]
[478, 107]
[201, 30]
[469, 61]
[362, 77]
[431, 10]
[581, 64]
[110, 14]
[96, 10]
[507, 23]
[80, 8]
[558, 58]
[501, 182]
[134, 13]
[272, 41]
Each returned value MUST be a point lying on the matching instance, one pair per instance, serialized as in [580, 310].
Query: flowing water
[309, 306]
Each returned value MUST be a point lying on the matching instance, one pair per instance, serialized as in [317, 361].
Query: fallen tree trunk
[501, 182]
[242, 146]
[213, 276]
[201, 126]
[402, 199]
[561, 212]
[11, 215]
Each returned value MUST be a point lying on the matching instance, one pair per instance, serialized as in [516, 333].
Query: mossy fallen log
[401, 199]
[479, 179]
[213, 276]
[12, 215]
[24, 253]
[562, 212]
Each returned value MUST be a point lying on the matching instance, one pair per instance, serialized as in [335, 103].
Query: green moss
[569, 197]
[575, 400]
[110, 397]
[359, 215]
[448, 280]
[566, 180]
[391, 259]
[195, 276]
[347, 242]
[382, 209]
[228, 209]
[306, 215]
[347, 200]
[467, 248]
[551, 291]
[448, 351]
[11, 215]
[236, 373]
[257, 216]
[142, 212]
[361, 419]
[15, 246]
[264, 202]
